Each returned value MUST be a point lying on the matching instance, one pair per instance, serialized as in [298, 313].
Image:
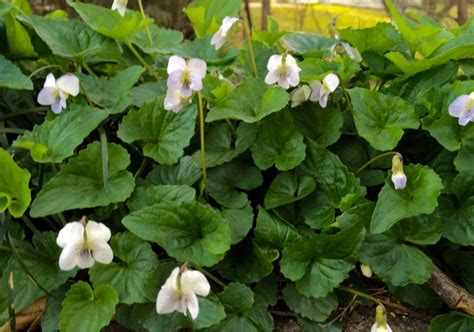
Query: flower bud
[380, 324]
[399, 178]
[366, 270]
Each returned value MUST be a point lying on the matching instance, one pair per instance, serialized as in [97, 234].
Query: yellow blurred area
[321, 19]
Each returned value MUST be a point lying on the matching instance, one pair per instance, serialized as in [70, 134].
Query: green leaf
[422, 229]
[309, 45]
[240, 222]
[250, 102]
[185, 173]
[452, 322]
[278, 143]
[80, 185]
[15, 193]
[19, 41]
[341, 186]
[288, 188]
[153, 194]
[420, 196]
[380, 119]
[50, 320]
[190, 232]
[223, 180]
[134, 278]
[220, 144]
[202, 49]
[165, 134]
[163, 40]
[273, 231]
[71, 38]
[321, 125]
[85, 309]
[393, 261]
[236, 298]
[113, 93]
[245, 263]
[317, 210]
[55, 140]
[461, 266]
[109, 22]
[206, 15]
[315, 309]
[381, 38]
[147, 92]
[459, 227]
[319, 263]
[12, 77]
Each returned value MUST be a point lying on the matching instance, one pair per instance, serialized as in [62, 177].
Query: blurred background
[317, 16]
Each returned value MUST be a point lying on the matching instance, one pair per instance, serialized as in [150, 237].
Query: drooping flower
[84, 243]
[380, 324]
[300, 95]
[399, 178]
[463, 108]
[56, 92]
[284, 70]
[179, 293]
[321, 91]
[185, 76]
[174, 102]
[352, 52]
[222, 35]
[120, 6]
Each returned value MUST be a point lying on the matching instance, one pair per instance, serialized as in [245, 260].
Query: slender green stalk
[140, 4]
[105, 157]
[87, 68]
[390, 153]
[30, 225]
[210, 276]
[6, 218]
[250, 45]
[141, 168]
[19, 113]
[41, 69]
[61, 218]
[203, 143]
[12, 131]
[359, 293]
[142, 61]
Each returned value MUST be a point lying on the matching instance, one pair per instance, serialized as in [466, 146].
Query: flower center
[186, 78]
[282, 70]
[85, 252]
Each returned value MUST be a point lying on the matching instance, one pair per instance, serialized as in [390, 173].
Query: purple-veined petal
[175, 80]
[283, 82]
[465, 118]
[323, 100]
[85, 259]
[227, 24]
[316, 93]
[272, 77]
[166, 301]
[459, 106]
[293, 77]
[47, 96]
[399, 180]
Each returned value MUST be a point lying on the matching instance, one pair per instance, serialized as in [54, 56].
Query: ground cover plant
[214, 183]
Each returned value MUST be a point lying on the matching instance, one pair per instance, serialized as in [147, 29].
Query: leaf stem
[140, 4]
[142, 61]
[390, 153]
[41, 69]
[203, 143]
[12, 131]
[88, 69]
[250, 45]
[105, 157]
[28, 111]
[359, 293]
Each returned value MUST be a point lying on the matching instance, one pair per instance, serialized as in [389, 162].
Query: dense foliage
[299, 185]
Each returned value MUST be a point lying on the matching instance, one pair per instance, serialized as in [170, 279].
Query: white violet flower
[185, 76]
[321, 91]
[120, 6]
[174, 102]
[284, 70]
[180, 290]
[300, 95]
[463, 108]
[399, 178]
[221, 36]
[56, 92]
[83, 244]
[352, 52]
[380, 324]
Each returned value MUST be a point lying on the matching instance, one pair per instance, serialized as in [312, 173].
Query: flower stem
[11, 303]
[359, 293]
[142, 61]
[210, 276]
[140, 4]
[250, 44]
[390, 153]
[87, 68]
[105, 156]
[203, 143]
